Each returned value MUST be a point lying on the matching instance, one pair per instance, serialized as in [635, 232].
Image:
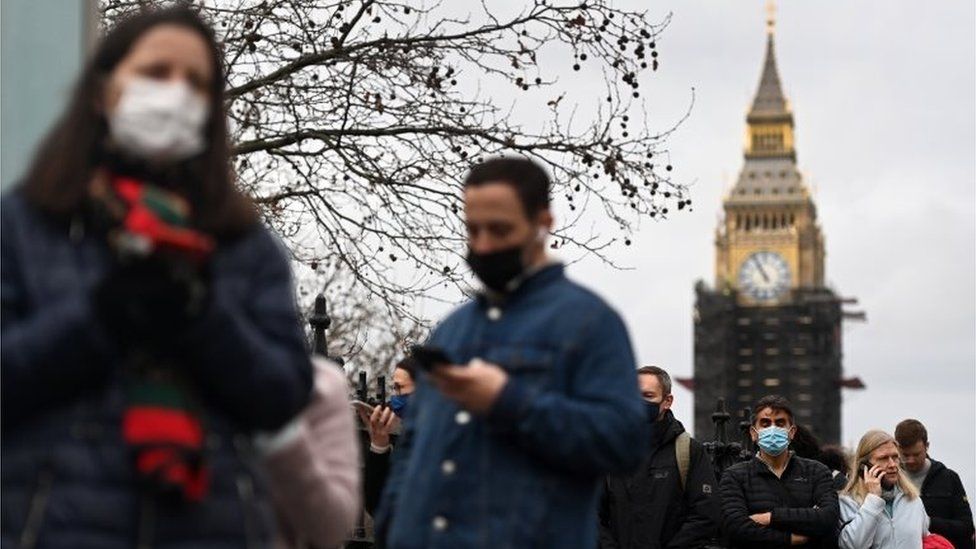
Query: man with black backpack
[671, 501]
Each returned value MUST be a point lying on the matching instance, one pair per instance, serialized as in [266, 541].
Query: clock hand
[761, 270]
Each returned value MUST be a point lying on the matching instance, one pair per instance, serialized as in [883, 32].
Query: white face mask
[160, 121]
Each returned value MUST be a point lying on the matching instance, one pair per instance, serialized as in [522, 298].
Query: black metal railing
[723, 452]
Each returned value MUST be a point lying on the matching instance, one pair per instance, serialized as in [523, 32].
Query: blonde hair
[871, 441]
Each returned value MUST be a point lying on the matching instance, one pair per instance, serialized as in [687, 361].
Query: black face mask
[497, 269]
[653, 411]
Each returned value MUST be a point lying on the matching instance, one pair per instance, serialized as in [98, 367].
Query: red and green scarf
[162, 427]
[161, 423]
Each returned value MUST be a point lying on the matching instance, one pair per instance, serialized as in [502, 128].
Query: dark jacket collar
[665, 431]
[669, 427]
[936, 466]
[935, 469]
[759, 466]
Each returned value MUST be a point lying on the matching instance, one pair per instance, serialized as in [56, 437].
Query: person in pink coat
[313, 466]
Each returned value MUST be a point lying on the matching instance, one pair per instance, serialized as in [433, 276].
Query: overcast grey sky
[883, 95]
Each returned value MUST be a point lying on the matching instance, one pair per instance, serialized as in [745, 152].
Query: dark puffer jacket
[67, 478]
[650, 510]
[802, 501]
[947, 506]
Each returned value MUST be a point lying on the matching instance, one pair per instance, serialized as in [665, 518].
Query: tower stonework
[769, 325]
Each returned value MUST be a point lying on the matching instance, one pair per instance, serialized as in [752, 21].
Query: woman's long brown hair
[65, 162]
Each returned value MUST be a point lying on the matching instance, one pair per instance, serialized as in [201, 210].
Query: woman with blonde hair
[880, 508]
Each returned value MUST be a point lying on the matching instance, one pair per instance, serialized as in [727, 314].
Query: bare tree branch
[356, 121]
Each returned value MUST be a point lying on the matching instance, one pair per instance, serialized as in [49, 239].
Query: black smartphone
[429, 357]
[862, 465]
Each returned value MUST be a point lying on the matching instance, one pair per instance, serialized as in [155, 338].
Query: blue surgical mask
[773, 440]
[398, 403]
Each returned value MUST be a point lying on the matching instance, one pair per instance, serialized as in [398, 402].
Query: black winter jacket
[67, 474]
[802, 502]
[947, 506]
[649, 510]
[376, 470]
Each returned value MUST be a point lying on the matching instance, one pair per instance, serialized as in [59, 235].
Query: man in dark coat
[778, 499]
[942, 492]
[671, 500]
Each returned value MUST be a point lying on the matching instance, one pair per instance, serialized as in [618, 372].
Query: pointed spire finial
[770, 17]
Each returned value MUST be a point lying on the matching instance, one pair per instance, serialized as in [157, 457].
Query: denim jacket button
[462, 417]
[494, 313]
[440, 523]
[448, 467]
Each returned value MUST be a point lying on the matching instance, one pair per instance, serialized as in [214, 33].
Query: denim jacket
[527, 473]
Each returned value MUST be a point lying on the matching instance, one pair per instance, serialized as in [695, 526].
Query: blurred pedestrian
[805, 444]
[313, 466]
[382, 424]
[880, 508]
[942, 492]
[672, 499]
[778, 499]
[531, 396]
[835, 458]
[148, 319]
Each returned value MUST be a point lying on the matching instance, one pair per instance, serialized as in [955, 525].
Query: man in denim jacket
[506, 445]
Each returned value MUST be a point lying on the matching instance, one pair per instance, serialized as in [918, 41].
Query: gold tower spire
[770, 122]
[770, 17]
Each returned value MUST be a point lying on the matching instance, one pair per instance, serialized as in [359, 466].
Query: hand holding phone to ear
[872, 478]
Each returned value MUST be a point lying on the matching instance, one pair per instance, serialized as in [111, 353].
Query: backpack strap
[682, 454]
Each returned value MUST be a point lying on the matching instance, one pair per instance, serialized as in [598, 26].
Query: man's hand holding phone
[475, 387]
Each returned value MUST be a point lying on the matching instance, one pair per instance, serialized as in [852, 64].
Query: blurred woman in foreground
[148, 320]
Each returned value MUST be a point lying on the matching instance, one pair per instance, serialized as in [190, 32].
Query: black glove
[149, 300]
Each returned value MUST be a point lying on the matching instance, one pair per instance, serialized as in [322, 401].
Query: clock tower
[769, 243]
[769, 325]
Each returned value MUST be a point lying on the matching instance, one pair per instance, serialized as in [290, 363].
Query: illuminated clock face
[764, 276]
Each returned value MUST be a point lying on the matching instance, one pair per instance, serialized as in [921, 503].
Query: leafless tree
[356, 120]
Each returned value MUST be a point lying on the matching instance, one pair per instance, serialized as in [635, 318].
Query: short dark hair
[662, 377]
[409, 365]
[910, 431]
[529, 180]
[774, 403]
